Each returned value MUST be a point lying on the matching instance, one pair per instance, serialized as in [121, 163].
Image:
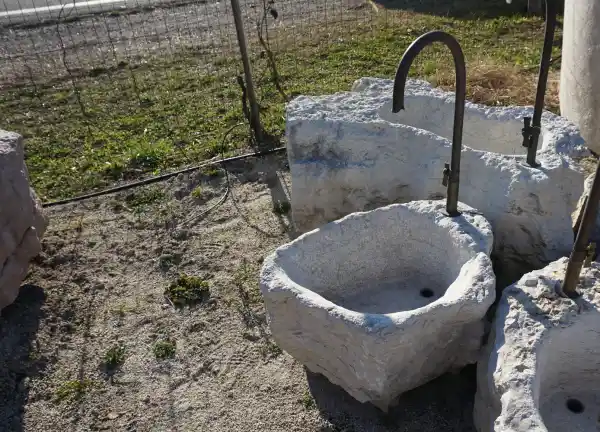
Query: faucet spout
[532, 127]
[452, 172]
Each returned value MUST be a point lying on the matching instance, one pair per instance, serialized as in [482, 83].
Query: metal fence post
[254, 113]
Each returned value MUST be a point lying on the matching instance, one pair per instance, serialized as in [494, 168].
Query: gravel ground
[100, 282]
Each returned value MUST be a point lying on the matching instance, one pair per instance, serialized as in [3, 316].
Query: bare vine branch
[264, 41]
[63, 50]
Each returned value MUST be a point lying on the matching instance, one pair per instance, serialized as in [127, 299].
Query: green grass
[177, 111]
[187, 291]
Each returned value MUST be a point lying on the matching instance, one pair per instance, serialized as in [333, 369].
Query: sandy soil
[100, 283]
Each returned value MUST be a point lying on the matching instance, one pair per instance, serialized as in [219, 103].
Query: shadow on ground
[269, 170]
[444, 404]
[458, 8]
[19, 324]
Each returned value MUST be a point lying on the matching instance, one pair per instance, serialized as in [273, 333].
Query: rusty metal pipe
[580, 249]
[452, 171]
[532, 127]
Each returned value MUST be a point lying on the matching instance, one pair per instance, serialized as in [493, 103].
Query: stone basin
[540, 371]
[348, 152]
[380, 302]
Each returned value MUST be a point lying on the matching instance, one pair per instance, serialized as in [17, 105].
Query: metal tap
[532, 127]
[451, 173]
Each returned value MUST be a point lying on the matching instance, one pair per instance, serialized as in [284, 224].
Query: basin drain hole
[575, 406]
[426, 292]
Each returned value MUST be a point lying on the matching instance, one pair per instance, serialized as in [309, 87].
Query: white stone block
[348, 152]
[540, 369]
[22, 222]
[383, 301]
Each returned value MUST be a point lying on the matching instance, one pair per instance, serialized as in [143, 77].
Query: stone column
[580, 69]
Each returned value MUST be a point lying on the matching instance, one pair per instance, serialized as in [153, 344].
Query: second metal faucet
[452, 171]
[533, 127]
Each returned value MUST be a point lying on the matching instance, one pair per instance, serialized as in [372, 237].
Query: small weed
[271, 350]
[119, 312]
[34, 356]
[197, 192]
[281, 208]
[307, 401]
[246, 283]
[164, 349]
[211, 171]
[187, 291]
[168, 260]
[117, 206]
[71, 390]
[114, 357]
[144, 197]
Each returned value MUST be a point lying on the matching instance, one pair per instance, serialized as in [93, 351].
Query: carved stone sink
[383, 301]
[348, 152]
[540, 371]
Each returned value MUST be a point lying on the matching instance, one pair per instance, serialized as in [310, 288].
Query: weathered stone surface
[383, 301]
[580, 68]
[543, 357]
[348, 152]
[22, 222]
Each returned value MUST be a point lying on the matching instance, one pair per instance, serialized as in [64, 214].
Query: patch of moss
[187, 291]
[73, 389]
[164, 349]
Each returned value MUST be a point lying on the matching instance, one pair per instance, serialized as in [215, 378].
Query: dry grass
[493, 84]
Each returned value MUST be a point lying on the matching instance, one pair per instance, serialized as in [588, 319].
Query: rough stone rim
[274, 276]
[519, 401]
[566, 137]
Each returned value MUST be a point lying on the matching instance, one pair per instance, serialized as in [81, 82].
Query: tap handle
[446, 174]
[526, 131]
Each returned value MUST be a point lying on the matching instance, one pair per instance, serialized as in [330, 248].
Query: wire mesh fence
[107, 91]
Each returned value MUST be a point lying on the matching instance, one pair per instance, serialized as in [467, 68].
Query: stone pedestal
[22, 222]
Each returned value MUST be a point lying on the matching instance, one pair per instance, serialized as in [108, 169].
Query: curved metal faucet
[532, 127]
[452, 171]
